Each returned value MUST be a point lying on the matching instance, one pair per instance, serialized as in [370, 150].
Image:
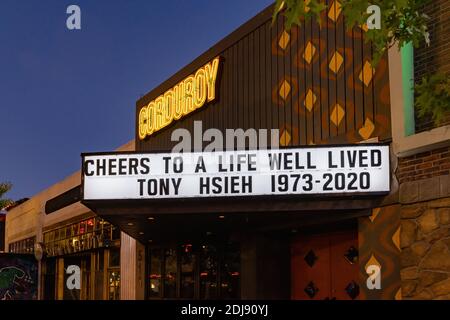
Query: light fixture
[130, 223]
[141, 233]
[221, 217]
[151, 218]
[150, 240]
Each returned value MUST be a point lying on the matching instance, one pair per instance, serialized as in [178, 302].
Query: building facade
[317, 88]
[2, 231]
[74, 241]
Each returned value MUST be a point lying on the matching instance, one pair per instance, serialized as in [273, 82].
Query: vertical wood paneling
[236, 84]
[302, 86]
[227, 67]
[255, 66]
[340, 76]
[127, 267]
[316, 112]
[349, 85]
[275, 36]
[281, 58]
[258, 57]
[60, 279]
[382, 101]
[332, 85]
[323, 60]
[262, 76]
[368, 89]
[308, 87]
[293, 98]
[240, 70]
[358, 86]
[251, 101]
[268, 78]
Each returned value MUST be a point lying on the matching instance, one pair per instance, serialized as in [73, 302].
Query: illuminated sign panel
[185, 97]
[298, 171]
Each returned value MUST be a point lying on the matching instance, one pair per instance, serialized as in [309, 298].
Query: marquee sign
[298, 171]
[185, 97]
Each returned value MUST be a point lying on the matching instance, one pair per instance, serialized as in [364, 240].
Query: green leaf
[402, 20]
[4, 188]
[433, 97]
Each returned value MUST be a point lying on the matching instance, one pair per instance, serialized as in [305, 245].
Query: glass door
[49, 274]
[194, 271]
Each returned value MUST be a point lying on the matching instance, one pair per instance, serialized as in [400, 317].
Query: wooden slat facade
[312, 83]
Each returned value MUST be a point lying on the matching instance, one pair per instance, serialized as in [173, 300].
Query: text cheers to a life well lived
[346, 170]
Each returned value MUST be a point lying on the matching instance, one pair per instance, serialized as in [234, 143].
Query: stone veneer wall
[425, 240]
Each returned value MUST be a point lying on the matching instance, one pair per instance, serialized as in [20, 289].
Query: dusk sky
[66, 92]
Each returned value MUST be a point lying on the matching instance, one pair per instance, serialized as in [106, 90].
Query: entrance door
[201, 270]
[324, 266]
[77, 277]
[49, 275]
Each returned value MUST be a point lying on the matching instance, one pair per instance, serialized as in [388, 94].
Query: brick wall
[436, 57]
[424, 165]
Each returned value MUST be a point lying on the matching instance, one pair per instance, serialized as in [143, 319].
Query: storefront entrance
[82, 261]
[324, 266]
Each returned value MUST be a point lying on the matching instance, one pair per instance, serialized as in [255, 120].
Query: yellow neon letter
[159, 119]
[188, 95]
[151, 118]
[168, 106]
[200, 88]
[211, 76]
[143, 123]
[178, 92]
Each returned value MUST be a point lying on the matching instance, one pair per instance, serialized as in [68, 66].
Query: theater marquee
[299, 171]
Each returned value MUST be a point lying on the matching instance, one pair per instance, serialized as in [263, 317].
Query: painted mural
[18, 277]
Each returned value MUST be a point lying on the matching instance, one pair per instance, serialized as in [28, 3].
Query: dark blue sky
[65, 92]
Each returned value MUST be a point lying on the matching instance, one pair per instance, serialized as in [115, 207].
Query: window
[170, 274]
[23, 246]
[188, 263]
[194, 271]
[114, 285]
[208, 272]
[114, 274]
[81, 236]
[155, 273]
[230, 273]
[114, 257]
[432, 58]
